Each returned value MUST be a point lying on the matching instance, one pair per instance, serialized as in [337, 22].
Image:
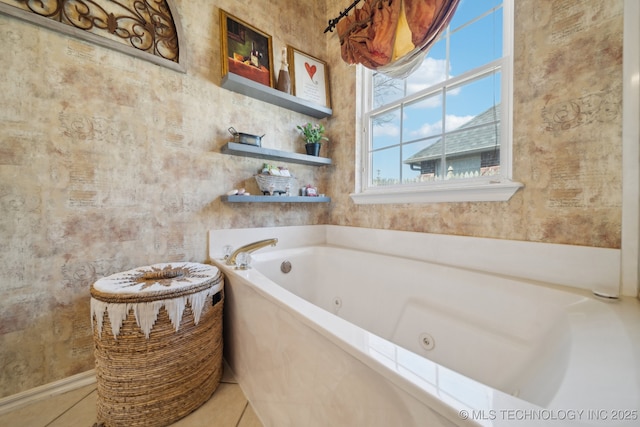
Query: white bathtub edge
[580, 267]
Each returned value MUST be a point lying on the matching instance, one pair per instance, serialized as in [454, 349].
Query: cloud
[427, 129]
[431, 71]
[386, 129]
[432, 129]
[454, 122]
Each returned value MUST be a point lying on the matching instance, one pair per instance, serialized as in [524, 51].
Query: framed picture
[309, 77]
[246, 51]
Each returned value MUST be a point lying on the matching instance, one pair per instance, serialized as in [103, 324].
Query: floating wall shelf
[274, 199]
[265, 93]
[247, 150]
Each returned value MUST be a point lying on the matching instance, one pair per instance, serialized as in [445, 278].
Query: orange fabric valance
[392, 36]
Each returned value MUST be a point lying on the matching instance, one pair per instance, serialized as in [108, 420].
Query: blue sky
[470, 45]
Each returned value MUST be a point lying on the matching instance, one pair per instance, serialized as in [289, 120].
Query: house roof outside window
[481, 136]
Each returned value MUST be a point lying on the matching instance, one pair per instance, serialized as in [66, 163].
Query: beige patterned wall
[108, 162]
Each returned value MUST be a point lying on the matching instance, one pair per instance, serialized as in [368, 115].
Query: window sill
[463, 191]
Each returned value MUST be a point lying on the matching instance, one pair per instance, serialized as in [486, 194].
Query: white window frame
[498, 187]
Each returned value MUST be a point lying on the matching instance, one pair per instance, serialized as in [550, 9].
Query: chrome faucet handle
[227, 250]
[243, 261]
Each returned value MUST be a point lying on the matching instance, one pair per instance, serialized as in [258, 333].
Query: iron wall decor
[246, 51]
[146, 29]
[309, 77]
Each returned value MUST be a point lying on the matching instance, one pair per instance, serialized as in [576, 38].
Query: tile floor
[228, 407]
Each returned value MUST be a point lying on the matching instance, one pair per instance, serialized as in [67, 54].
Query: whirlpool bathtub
[327, 329]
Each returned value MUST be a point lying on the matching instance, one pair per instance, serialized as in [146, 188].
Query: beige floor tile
[249, 418]
[82, 414]
[228, 407]
[43, 412]
[224, 409]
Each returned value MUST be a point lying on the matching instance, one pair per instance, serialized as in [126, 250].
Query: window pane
[472, 103]
[386, 90]
[422, 118]
[385, 129]
[385, 167]
[476, 44]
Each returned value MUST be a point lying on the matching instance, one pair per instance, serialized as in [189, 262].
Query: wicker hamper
[158, 342]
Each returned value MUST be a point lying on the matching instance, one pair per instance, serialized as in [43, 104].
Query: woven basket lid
[145, 290]
[156, 282]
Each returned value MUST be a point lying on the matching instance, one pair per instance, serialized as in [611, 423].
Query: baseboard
[15, 401]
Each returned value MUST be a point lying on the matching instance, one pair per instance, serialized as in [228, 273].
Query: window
[444, 132]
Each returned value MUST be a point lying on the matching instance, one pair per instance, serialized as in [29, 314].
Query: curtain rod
[333, 22]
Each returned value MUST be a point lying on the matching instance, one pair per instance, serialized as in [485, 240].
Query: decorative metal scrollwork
[146, 25]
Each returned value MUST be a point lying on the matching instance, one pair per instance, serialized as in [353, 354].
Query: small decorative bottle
[284, 81]
[255, 56]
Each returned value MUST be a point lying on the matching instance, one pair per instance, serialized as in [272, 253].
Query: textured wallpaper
[108, 162]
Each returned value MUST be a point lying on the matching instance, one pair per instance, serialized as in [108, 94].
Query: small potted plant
[313, 135]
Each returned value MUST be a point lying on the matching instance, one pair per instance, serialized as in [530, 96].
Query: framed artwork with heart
[309, 77]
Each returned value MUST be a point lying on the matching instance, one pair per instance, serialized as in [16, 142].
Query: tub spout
[250, 248]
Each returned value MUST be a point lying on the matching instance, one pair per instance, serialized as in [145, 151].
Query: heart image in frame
[311, 70]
